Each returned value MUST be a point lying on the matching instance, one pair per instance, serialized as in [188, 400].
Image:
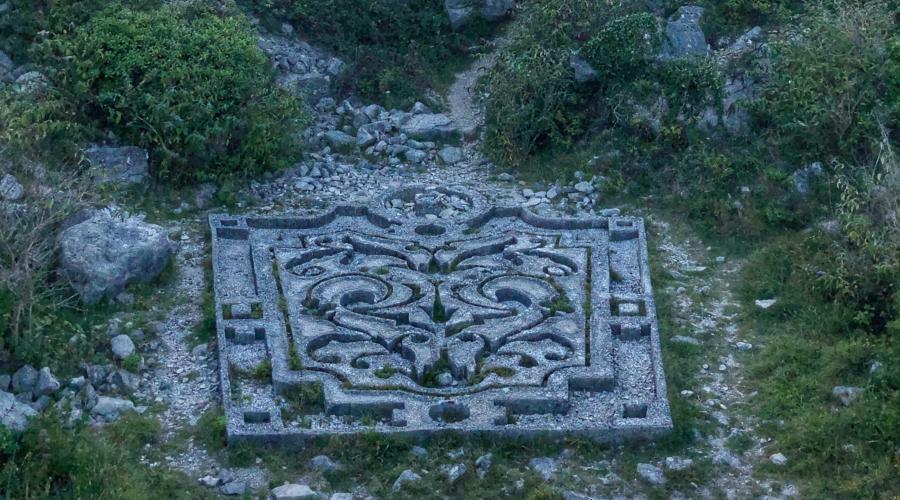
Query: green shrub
[624, 47]
[28, 21]
[304, 399]
[690, 84]
[867, 262]
[211, 429]
[833, 83]
[533, 103]
[188, 84]
[44, 127]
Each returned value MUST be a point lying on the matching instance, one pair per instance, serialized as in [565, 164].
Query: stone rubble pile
[355, 149]
[29, 391]
[301, 69]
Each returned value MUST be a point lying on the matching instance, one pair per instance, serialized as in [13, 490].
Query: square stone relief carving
[433, 311]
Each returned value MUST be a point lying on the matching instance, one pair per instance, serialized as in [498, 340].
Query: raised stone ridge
[492, 320]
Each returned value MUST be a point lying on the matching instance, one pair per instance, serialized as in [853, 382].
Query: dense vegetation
[829, 93]
[835, 86]
[836, 322]
[184, 81]
[642, 122]
[396, 50]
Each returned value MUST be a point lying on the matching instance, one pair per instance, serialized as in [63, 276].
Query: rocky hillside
[757, 139]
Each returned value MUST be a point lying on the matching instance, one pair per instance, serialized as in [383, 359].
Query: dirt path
[186, 379]
[465, 108]
[706, 314]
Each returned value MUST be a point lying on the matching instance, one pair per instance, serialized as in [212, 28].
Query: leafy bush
[188, 84]
[624, 47]
[867, 270]
[533, 103]
[44, 127]
[396, 50]
[691, 82]
[28, 21]
[833, 83]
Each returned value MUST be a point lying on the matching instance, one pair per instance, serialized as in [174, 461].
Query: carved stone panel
[434, 311]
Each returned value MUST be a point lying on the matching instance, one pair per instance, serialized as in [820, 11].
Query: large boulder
[340, 141]
[312, 86]
[543, 466]
[746, 43]
[290, 491]
[463, 11]
[107, 252]
[124, 382]
[7, 68]
[11, 189]
[14, 414]
[429, 127]
[122, 346]
[47, 383]
[111, 409]
[739, 91]
[584, 72]
[118, 165]
[684, 36]
[847, 395]
[32, 83]
[25, 379]
[407, 476]
[651, 473]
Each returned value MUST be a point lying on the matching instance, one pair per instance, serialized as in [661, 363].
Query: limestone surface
[118, 165]
[103, 254]
[493, 320]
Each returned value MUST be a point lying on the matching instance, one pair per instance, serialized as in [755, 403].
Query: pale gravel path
[465, 107]
[186, 382]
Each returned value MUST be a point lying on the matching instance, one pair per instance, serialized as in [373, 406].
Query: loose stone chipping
[494, 321]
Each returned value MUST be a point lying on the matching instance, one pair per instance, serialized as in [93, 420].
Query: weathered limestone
[684, 36]
[118, 165]
[14, 414]
[462, 12]
[103, 254]
[7, 68]
[493, 320]
[428, 127]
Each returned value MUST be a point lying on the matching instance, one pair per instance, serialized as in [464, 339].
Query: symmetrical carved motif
[483, 320]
